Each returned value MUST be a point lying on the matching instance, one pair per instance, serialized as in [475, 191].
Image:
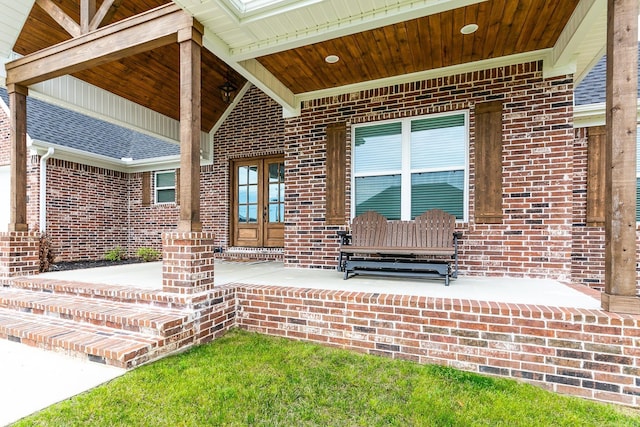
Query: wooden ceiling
[150, 79]
[506, 27]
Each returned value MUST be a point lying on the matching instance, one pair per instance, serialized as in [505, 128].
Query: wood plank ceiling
[506, 27]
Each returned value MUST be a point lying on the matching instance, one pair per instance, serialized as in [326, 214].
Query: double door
[258, 202]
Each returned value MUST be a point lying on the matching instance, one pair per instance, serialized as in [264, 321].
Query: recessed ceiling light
[469, 29]
[332, 59]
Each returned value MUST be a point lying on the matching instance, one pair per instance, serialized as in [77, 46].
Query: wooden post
[190, 40]
[18, 108]
[621, 103]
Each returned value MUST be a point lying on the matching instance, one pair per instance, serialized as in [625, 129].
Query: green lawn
[250, 379]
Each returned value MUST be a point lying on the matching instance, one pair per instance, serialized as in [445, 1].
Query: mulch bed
[77, 265]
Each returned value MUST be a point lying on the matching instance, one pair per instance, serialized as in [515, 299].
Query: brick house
[405, 141]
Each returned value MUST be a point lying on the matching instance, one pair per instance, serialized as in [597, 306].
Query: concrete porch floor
[498, 289]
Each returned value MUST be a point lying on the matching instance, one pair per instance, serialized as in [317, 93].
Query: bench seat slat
[398, 250]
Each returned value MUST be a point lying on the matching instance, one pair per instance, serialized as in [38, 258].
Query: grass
[250, 379]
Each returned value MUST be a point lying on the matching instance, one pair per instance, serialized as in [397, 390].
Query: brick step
[126, 294]
[147, 319]
[115, 347]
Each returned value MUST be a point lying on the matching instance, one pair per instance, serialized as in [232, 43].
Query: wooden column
[18, 105]
[190, 40]
[621, 103]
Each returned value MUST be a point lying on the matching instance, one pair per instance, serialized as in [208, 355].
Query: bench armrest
[345, 238]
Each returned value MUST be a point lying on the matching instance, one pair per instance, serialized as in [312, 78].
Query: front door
[258, 202]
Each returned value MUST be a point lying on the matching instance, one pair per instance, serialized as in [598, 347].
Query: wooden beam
[621, 110]
[87, 12]
[69, 25]
[140, 33]
[105, 13]
[18, 135]
[190, 118]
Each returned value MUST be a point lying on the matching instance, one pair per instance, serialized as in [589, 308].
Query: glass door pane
[248, 194]
[276, 192]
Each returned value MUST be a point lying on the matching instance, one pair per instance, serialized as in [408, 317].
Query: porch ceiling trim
[141, 33]
[564, 53]
[375, 18]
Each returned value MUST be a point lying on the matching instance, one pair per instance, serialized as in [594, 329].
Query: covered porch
[516, 150]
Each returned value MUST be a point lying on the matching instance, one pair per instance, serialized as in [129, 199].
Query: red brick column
[19, 254]
[187, 262]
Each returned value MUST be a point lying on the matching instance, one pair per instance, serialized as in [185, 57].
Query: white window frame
[156, 188]
[405, 172]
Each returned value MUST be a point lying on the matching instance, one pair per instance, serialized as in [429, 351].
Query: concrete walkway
[33, 379]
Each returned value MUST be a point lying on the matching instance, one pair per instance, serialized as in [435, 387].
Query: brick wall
[147, 223]
[87, 211]
[535, 237]
[587, 353]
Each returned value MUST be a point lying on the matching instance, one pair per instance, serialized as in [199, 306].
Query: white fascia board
[589, 115]
[580, 24]
[520, 58]
[105, 162]
[405, 10]
[593, 115]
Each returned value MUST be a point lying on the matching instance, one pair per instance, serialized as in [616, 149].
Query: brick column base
[187, 262]
[19, 254]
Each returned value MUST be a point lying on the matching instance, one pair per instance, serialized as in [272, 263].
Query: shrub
[116, 254]
[148, 254]
[46, 253]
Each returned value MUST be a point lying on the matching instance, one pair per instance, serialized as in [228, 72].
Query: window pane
[438, 142]
[242, 194]
[274, 212]
[253, 194]
[438, 190]
[243, 173]
[242, 213]
[253, 174]
[273, 192]
[378, 148]
[166, 196]
[253, 213]
[274, 172]
[380, 194]
[165, 179]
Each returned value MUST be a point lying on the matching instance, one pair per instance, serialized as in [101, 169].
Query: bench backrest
[432, 229]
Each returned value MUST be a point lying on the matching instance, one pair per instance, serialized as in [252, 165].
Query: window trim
[156, 188]
[405, 171]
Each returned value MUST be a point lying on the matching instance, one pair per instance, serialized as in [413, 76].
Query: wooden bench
[424, 247]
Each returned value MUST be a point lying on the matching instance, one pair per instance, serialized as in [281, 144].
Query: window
[165, 185]
[403, 168]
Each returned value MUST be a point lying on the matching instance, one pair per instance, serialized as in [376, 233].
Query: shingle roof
[592, 89]
[56, 125]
